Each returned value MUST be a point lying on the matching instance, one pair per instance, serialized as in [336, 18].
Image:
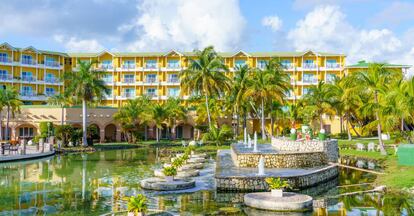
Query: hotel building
[36, 74]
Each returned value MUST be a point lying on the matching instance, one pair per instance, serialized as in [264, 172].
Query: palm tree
[241, 75]
[205, 76]
[176, 112]
[373, 82]
[59, 100]
[133, 115]
[85, 86]
[319, 96]
[159, 115]
[267, 85]
[218, 135]
[12, 103]
[2, 105]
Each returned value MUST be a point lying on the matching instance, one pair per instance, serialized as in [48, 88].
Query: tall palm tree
[2, 105]
[373, 81]
[176, 112]
[133, 115]
[12, 104]
[205, 76]
[85, 86]
[240, 79]
[60, 100]
[159, 115]
[319, 96]
[267, 85]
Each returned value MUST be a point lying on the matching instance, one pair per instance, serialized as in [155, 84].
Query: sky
[372, 30]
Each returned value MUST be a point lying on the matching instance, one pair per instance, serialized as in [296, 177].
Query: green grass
[363, 154]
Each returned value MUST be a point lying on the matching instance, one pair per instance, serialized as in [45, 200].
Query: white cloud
[74, 44]
[327, 29]
[273, 22]
[186, 25]
[395, 13]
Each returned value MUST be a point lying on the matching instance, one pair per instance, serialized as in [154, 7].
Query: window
[331, 63]
[239, 63]
[173, 63]
[107, 78]
[261, 64]
[4, 57]
[173, 92]
[107, 64]
[152, 64]
[309, 64]
[51, 62]
[286, 63]
[27, 59]
[309, 78]
[129, 78]
[173, 78]
[4, 75]
[50, 91]
[27, 76]
[128, 64]
[129, 92]
[151, 92]
[26, 132]
[27, 91]
[151, 78]
[50, 78]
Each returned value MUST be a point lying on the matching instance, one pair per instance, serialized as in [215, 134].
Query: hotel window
[27, 91]
[331, 63]
[50, 91]
[51, 62]
[261, 64]
[27, 59]
[152, 64]
[286, 63]
[129, 78]
[27, 76]
[128, 64]
[309, 63]
[239, 63]
[4, 75]
[107, 78]
[107, 64]
[173, 63]
[151, 78]
[129, 92]
[151, 92]
[173, 78]
[26, 132]
[309, 78]
[4, 57]
[173, 92]
[50, 78]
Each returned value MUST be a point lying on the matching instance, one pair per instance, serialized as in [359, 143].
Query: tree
[240, 79]
[373, 81]
[10, 99]
[205, 76]
[319, 97]
[133, 115]
[176, 112]
[159, 116]
[85, 86]
[60, 100]
[218, 135]
[265, 86]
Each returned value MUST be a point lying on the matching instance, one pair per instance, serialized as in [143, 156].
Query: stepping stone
[289, 201]
[196, 160]
[160, 184]
[189, 166]
[180, 174]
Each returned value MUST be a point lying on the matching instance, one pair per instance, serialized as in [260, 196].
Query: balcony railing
[151, 66]
[50, 94]
[53, 64]
[151, 94]
[106, 66]
[5, 59]
[128, 80]
[333, 65]
[151, 80]
[128, 94]
[287, 65]
[28, 78]
[173, 66]
[27, 93]
[310, 65]
[28, 62]
[6, 77]
[310, 80]
[173, 80]
[108, 80]
[52, 80]
[128, 66]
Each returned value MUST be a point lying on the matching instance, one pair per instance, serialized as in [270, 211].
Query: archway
[184, 131]
[110, 133]
[26, 131]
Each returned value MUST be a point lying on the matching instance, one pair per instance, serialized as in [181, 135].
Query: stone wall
[330, 147]
[280, 160]
[245, 184]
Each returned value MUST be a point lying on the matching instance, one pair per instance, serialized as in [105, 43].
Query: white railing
[28, 62]
[28, 78]
[5, 59]
[52, 80]
[310, 65]
[106, 66]
[173, 65]
[128, 66]
[128, 94]
[287, 65]
[151, 80]
[27, 93]
[53, 64]
[173, 80]
[6, 77]
[151, 94]
[333, 65]
[50, 94]
[150, 66]
[310, 80]
[128, 80]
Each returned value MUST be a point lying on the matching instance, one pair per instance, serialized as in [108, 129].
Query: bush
[218, 135]
[64, 133]
[137, 204]
[341, 135]
[277, 183]
[46, 129]
[169, 171]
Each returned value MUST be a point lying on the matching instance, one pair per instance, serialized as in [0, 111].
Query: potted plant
[276, 186]
[178, 162]
[169, 173]
[137, 206]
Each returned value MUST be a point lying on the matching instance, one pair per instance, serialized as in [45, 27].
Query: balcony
[128, 80]
[128, 66]
[28, 79]
[108, 80]
[105, 67]
[310, 80]
[333, 65]
[152, 95]
[128, 94]
[29, 62]
[150, 67]
[50, 94]
[52, 80]
[27, 94]
[7, 78]
[173, 66]
[287, 66]
[5, 60]
[310, 66]
[173, 80]
[151, 80]
[52, 64]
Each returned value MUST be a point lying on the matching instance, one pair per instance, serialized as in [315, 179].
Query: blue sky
[379, 30]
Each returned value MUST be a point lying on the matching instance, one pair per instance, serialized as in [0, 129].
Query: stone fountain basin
[160, 184]
[180, 174]
[289, 201]
[189, 166]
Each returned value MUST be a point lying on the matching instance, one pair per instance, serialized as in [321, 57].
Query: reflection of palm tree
[395, 203]
[351, 201]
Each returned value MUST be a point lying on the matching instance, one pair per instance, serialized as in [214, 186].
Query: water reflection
[95, 183]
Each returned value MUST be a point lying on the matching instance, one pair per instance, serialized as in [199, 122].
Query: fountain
[261, 166]
[249, 141]
[255, 142]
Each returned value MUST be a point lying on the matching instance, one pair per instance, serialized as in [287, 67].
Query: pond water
[96, 183]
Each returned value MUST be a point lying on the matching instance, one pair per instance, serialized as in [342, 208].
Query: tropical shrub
[169, 171]
[64, 133]
[218, 135]
[277, 183]
[178, 162]
[137, 204]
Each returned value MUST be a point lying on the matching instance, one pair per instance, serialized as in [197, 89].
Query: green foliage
[277, 183]
[178, 162]
[169, 171]
[64, 133]
[138, 204]
[93, 132]
[218, 135]
[46, 128]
